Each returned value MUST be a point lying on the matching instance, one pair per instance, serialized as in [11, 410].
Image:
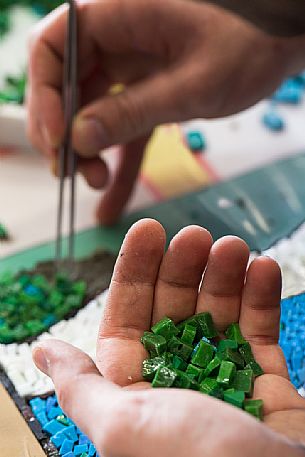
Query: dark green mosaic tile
[205, 364]
[32, 301]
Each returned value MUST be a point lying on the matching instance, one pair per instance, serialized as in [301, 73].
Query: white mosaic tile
[81, 331]
[290, 255]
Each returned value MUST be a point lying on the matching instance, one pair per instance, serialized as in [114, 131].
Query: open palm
[192, 276]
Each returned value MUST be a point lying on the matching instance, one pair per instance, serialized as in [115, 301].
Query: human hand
[177, 59]
[147, 285]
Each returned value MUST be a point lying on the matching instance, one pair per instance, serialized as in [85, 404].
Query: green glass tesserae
[191, 355]
[3, 233]
[4, 23]
[40, 7]
[13, 89]
[30, 304]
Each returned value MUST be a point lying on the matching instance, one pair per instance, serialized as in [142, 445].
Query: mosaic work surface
[81, 330]
[33, 391]
[63, 433]
[33, 301]
[292, 337]
[289, 253]
[31, 304]
[17, 372]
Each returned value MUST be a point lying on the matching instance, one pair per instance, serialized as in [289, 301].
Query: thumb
[78, 385]
[110, 416]
[135, 111]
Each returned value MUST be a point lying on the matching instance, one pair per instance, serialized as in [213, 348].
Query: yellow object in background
[116, 89]
[169, 167]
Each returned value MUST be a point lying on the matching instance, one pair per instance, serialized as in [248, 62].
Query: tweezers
[67, 157]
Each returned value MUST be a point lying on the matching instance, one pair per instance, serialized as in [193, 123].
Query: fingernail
[90, 135]
[41, 360]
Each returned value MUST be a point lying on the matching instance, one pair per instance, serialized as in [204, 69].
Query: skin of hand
[177, 60]
[119, 412]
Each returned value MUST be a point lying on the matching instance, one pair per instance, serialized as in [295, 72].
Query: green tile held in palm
[165, 328]
[233, 333]
[183, 356]
[254, 407]
[246, 353]
[226, 373]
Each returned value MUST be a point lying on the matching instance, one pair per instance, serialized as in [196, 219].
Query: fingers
[134, 112]
[223, 281]
[46, 71]
[260, 311]
[109, 416]
[94, 171]
[289, 423]
[180, 274]
[278, 393]
[121, 186]
[260, 314]
[124, 423]
[108, 29]
[44, 92]
[78, 385]
[129, 306]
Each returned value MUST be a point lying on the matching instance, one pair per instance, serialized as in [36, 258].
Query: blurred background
[240, 175]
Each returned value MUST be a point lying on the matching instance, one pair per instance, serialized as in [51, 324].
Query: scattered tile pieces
[290, 92]
[273, 121]
[196, 141]
[3, 233]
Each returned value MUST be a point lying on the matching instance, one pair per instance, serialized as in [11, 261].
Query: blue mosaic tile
[71, 442]
[290, 92]
[196, 141]
[66, 437]
[292, 337]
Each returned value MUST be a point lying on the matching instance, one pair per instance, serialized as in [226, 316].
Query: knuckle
[129, 112]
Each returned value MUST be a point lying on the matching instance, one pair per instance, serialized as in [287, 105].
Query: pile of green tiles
[40, 6]
[3, 232]
[191, 355]
[13, 90]
[30, 304]
[4, 23]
